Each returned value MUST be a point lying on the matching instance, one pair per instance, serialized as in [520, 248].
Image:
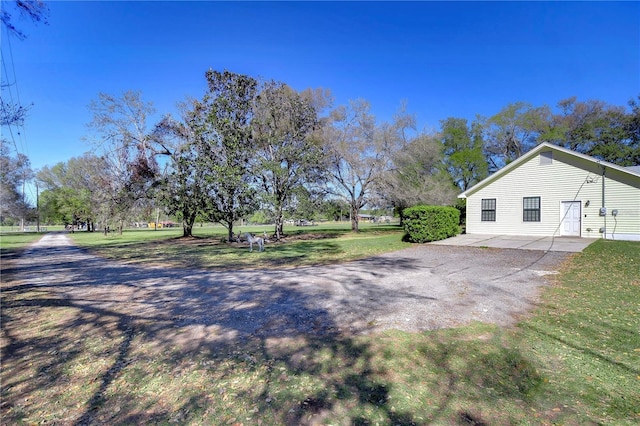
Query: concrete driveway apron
[565, 244]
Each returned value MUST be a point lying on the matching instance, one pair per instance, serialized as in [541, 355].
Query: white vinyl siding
[621, 197]
[566, 178]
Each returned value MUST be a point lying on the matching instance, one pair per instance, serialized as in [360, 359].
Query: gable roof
[633, 171]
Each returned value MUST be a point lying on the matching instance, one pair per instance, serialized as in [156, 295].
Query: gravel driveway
[421, 288]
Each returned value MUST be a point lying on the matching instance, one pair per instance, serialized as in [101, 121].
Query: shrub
[430, 223]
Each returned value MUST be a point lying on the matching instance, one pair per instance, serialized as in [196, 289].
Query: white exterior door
[571, 216]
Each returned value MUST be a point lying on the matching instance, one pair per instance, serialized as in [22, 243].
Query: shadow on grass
[211, 253]
[304, 246]
[86, 341]
[8, 254]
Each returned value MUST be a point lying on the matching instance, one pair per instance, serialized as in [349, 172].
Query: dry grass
[574, 361]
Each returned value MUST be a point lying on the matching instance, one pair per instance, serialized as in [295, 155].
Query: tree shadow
[95, 315]
[90, 341]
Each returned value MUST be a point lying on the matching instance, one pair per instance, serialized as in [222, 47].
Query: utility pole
[24, 202]
[37, 209]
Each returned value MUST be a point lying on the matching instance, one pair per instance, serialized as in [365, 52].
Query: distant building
[164, 224]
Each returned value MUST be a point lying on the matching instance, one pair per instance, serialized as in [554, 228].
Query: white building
[553, 191]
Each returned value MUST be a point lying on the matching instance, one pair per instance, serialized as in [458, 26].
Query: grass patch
[207, 249]
[573, 361]
[12, 244]
[17, 240]
[586, 336]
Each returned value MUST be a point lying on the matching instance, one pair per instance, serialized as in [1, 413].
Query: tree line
[251, 146]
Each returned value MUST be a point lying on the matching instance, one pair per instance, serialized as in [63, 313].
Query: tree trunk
[399, 210]
[279, 227]
[187, 229]
[187, 224]
[230, 231]
[354, 219]
[279, 223]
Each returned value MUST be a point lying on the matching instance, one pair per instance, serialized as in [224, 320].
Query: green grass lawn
[13, 243]
[310, 245]
[575, 360]
[586, 337]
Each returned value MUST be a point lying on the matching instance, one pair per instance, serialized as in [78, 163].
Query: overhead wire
[7, 88]
[575, 198]
[22, 134]
[18, 135]
[546, 252]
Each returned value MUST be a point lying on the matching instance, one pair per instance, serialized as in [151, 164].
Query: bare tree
[181, 190]
[13, 114]
[359, 152]
[35, 10]
[122, 141]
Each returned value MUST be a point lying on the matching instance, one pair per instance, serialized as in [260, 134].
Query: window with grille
[531, 209]
[488, 210]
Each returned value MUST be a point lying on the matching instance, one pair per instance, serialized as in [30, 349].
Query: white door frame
[566, 210]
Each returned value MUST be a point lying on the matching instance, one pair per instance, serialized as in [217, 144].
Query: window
[488, 210]
[531, 209]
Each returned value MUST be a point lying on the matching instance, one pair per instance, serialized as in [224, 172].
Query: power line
[23, 135]
[20, 128]
[13, 107]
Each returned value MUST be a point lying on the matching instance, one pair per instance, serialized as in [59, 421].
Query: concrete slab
[523, 242]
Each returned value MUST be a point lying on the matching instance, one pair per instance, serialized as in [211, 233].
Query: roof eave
[504, 170]
[515, 163]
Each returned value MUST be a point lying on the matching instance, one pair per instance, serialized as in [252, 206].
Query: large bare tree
[121, 139]
[359, 152]
[180, 188]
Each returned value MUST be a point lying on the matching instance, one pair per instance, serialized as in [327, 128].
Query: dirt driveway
[422, 288]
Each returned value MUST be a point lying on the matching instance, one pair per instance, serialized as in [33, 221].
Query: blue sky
[454, 59]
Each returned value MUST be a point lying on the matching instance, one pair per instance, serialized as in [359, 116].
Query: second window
[531, 209]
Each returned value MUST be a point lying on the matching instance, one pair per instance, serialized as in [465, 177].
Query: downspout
[604, 234]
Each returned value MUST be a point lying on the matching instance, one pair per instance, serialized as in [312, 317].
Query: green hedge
[430, 223]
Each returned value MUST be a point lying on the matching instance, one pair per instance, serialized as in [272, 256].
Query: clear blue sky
[454, 59]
